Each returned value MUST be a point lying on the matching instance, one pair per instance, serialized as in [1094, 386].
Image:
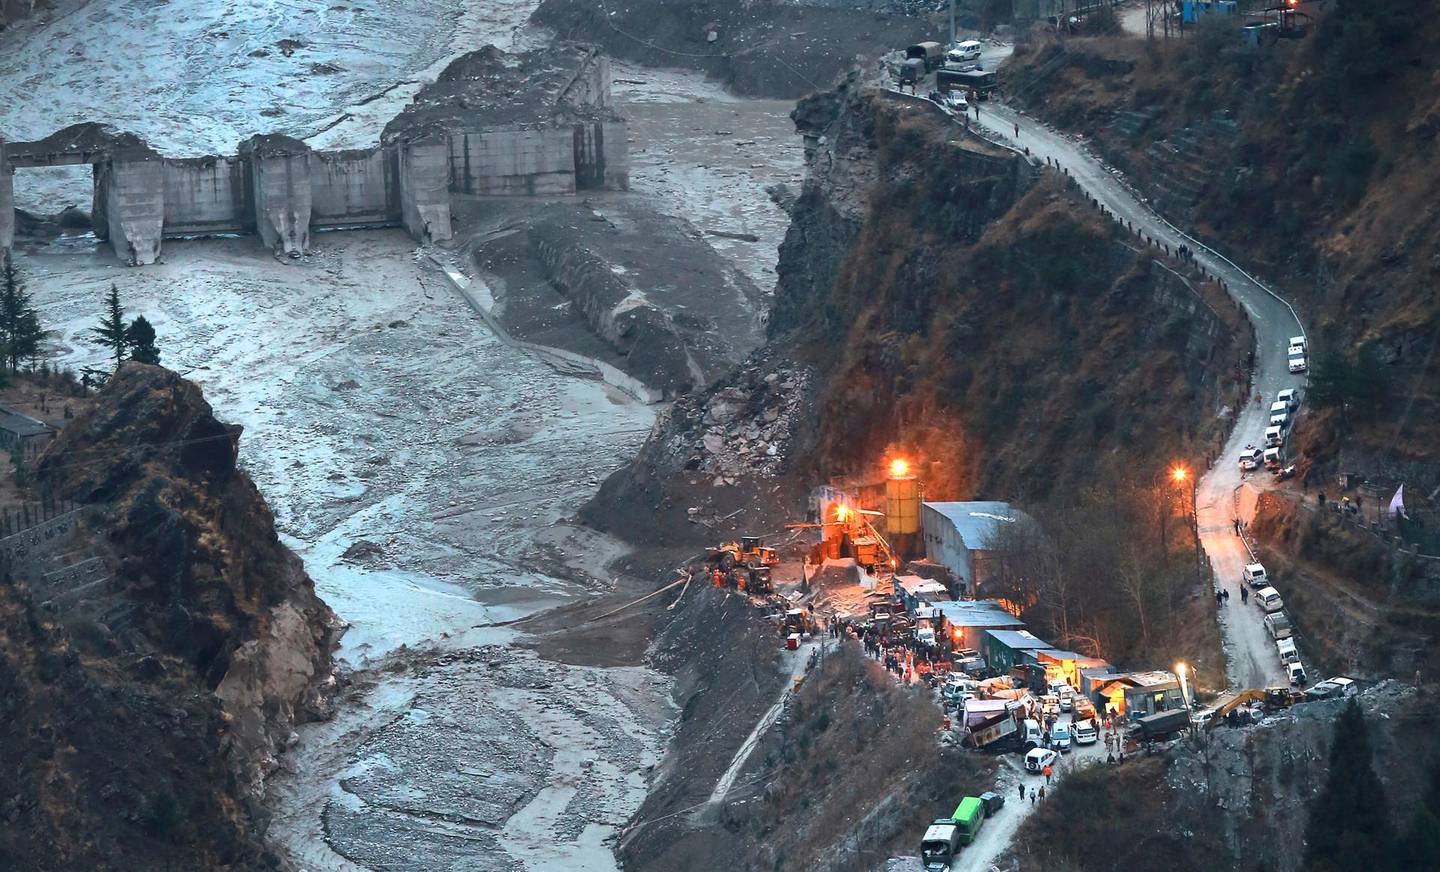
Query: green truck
[944, 838]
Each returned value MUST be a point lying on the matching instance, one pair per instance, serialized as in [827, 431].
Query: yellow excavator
[1270, 697]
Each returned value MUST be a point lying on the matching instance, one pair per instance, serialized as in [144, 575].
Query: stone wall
[355, 188]
[204, 196]
[283, 200]
[424, 169]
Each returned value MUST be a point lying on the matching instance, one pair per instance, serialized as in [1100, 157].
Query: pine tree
[1349, 826]
[141, 337]
[1420, 848]
[20, 329]
[111, 332]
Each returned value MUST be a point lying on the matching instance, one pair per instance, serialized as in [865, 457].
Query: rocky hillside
[12, 11]
[1240, 801]
[159, 644]
[1311, 160]
[943, 295]
[760, 49]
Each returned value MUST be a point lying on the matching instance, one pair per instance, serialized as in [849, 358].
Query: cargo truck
[1162, 724]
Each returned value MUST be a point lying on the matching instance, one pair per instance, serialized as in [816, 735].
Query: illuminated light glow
[841, 512]
[899, 468]
[1179, 473]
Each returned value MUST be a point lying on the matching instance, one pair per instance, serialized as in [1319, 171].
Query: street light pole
[952, 24]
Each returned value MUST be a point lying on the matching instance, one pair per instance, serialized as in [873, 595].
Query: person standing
[1032, 796]
[1022, 791]
[1048, 773]
[1042, 791]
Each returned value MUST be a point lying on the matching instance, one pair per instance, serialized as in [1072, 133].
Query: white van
[1274, 437]
[1250, 458]
[1298, 342]
[1290, 397]
[1286, 647]
[1279, 414]
[1297, 363]
[1278, 626]
[1254, 575]
[1268, 598]
[1297, 673]
[969, 50]
[1272, 458]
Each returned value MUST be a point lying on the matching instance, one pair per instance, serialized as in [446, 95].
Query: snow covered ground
[197, 78]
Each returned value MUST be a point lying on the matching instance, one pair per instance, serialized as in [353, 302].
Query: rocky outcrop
[12, 11]
[154, 699]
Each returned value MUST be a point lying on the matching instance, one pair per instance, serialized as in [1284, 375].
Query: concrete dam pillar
[280, 186]
[131, 187]
[7, 202]
[425, 189]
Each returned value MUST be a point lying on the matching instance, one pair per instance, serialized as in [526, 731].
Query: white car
[1250, 458]
[1295, 351]
[1298, 342]
[1085, 732]
[1297, 364]
[1200, 719]
[956, 101]
[1060, 738]
[1038, 758]
[1279, 414]
[1274, 437]
[1290, 397]
[1296, 673]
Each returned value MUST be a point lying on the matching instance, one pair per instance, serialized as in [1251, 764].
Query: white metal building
[958, 535]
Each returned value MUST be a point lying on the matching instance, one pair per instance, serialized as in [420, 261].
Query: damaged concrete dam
[546, 126]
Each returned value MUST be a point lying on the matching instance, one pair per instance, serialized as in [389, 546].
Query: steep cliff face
[1311, 161]
[149, 699]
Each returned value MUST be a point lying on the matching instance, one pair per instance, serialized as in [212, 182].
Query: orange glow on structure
[899, 468]
[841, 512]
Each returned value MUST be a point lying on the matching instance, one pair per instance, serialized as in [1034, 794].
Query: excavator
[1270, 697]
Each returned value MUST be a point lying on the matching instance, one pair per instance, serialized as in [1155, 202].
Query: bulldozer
[750, 552]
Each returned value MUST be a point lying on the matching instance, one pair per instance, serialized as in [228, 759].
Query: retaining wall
[205, 196]
[357, 188]
[513, 162]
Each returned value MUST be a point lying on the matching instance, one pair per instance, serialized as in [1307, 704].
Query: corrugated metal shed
[977, 521]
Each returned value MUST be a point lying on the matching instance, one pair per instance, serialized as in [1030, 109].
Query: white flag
[1397, 503]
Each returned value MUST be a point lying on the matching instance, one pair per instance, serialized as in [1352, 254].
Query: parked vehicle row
[1271, 454]
[945, 837]
[1296, 354]
[1276, 622]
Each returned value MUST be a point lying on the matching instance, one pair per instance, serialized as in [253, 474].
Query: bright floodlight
[899, 468]
[1179, 473]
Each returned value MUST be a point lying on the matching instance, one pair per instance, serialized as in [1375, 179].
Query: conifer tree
[141, 338]
[1349, 826]
[111, 332]
[20, 329]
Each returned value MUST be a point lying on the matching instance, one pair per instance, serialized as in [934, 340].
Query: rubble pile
[745, 426]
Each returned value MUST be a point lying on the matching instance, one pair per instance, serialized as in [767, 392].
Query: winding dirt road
[1250, 655]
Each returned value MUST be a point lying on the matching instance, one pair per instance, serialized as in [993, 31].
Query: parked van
[1268, 598]
[1279, 414]
[1288, 654]
[1274, 437]
[1290, 397]
[1296, 671]
[1297, 363]
[1298, 341]
[1272, 458]
[969, 817]
[1254, 575]
[1278, 626]
[1249, 458]
[940, 845]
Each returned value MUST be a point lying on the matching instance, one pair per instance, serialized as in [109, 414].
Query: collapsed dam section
[538, 123]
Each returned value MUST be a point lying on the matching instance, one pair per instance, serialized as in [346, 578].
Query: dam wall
[358, 188]
[205, 196]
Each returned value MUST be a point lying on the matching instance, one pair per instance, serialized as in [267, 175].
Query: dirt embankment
[757, 49]
[1310, 161]
[156, 651]
[12, 11]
